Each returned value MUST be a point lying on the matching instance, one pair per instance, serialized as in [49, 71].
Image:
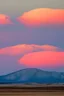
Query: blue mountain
[32, 75]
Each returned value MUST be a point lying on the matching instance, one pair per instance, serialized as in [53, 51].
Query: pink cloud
[42, 16]
[43, 59]
[4, 19]
[25, 48]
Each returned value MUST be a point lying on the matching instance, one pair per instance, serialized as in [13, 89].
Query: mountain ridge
[33, 75]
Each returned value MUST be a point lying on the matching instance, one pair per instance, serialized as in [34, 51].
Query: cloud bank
[30, 55]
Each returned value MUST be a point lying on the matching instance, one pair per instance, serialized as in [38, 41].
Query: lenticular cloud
[25, 48]
[42, 16]
[45, 59]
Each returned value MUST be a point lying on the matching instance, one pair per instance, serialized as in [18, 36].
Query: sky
[31, 35]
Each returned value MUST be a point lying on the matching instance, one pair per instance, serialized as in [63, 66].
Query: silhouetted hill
[33, 75]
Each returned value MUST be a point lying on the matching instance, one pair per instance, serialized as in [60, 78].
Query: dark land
[33, 87]
[31, 90]
[32, 82]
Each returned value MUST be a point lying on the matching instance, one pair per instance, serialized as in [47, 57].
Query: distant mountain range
[32, 75]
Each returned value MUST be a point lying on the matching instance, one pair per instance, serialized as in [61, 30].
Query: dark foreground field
[31, 90]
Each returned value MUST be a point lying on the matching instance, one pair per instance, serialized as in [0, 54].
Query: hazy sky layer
[19, 34]
[17, 7]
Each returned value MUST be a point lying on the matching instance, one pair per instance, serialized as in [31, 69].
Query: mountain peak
[33, 75]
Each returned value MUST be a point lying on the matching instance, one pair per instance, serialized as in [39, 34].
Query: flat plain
[31, 90]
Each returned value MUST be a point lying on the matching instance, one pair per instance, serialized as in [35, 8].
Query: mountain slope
[33, 75]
